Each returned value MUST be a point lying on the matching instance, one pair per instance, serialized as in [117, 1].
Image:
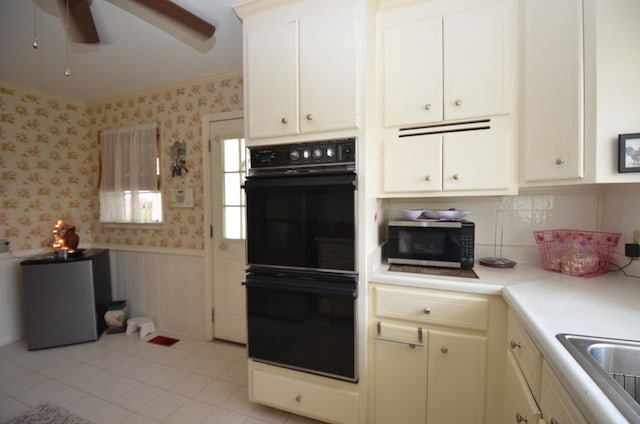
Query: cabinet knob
[553, 421]
[520, 418]
[426, 311]
[444, 349]
[427, 106]
[299, 398]
[514, 344]
[427, 178]
[284, 120]
[458, 102]
[560, 161]
[456, 177]
[309, 117]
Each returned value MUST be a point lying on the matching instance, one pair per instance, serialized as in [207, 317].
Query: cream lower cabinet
[430, 356]
[320, 398]
[533, 394]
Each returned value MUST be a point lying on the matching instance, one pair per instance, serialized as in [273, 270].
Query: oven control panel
[317, 153]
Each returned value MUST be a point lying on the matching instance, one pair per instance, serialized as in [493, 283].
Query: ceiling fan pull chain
[35, 24]
[67, 69]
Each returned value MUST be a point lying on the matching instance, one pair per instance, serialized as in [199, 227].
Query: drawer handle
[426, 311]
[514, 344]
[386, 339]
[299, 398]
[520, 418]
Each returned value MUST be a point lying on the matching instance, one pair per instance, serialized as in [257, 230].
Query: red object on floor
[164, 341]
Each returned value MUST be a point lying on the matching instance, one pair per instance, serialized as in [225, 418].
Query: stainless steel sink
[614, 365]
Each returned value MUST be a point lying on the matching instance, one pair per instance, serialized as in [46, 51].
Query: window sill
[145, 225]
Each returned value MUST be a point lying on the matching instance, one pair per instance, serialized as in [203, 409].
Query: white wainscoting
[11, 322]
[168, 287]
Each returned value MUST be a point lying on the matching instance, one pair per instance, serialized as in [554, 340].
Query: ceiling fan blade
[179, 15]
[80, 20]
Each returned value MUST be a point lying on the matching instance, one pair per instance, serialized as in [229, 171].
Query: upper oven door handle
[306, 181]
[303, 286]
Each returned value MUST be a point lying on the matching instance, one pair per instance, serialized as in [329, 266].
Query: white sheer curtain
[129, 185]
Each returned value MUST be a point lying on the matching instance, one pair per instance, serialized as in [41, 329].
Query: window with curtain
[130, 175]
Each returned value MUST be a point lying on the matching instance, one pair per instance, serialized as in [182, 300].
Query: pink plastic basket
[576, 252]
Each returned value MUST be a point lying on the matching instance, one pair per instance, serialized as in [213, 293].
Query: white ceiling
[137, 49]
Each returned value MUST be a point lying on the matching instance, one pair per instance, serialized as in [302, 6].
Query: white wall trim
[208, 219]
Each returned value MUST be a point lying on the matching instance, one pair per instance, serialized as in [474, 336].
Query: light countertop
[549, 303]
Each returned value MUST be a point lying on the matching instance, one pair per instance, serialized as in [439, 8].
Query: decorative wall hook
[179, 162]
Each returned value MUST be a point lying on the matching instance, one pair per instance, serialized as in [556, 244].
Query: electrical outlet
[636, 236]
[4, 245]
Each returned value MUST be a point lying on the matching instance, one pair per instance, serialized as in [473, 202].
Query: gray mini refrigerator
[65, 300]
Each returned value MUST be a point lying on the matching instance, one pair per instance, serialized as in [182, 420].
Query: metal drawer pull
[299, 398]
[514, 344]
[385, 339]
[426, 311]
[284, 120]
[520, 418]
[444, 349]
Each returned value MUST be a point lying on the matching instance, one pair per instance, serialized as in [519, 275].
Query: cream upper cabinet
[479, 160]
[446, 67]
[580, 89]
[477, 58]
[553, 77]
[412, 69]
[272, 81]
[301, 74]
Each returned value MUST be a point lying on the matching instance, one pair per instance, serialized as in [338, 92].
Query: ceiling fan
[79, 15]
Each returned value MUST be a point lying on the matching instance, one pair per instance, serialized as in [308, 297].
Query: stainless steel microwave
[448, 244]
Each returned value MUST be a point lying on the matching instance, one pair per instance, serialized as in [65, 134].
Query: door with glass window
[228, 173]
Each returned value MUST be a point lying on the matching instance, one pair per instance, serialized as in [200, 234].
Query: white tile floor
[123, 379]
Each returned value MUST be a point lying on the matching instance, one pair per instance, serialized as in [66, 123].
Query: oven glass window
[302, 222]
[303, 330]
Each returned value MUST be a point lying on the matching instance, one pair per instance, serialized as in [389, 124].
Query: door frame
[206, 122]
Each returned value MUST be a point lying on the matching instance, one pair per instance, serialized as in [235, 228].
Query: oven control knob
[294, 155]
[317, 153]
[306, 154]
[330, 152]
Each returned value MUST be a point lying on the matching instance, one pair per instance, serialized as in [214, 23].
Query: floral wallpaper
[49, 161]
[48, 167]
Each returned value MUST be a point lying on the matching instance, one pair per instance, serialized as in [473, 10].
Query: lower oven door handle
[304, 286]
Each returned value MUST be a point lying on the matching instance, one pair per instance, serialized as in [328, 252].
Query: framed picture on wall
[629, 152]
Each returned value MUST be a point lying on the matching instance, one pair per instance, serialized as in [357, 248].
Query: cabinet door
[555, 402]
[272, 81]
[553, 90]
[328, 69]
[477, 62]
[412, 72]
[519, 404]
[400, 378]
[456, 381]
[476, 160]
[413, 164]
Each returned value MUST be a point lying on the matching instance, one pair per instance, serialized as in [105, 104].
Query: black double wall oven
[301, 253]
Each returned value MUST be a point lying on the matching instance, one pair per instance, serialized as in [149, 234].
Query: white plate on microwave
[449, 214]
[412, 214]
